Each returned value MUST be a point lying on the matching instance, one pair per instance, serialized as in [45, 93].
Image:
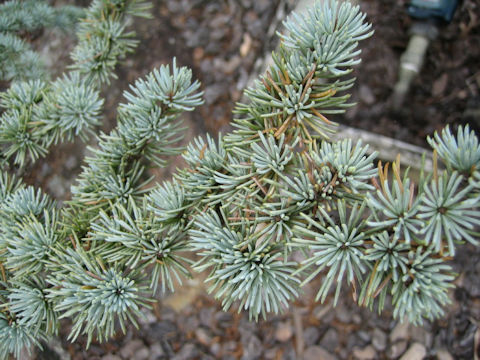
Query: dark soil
[447, 91]
[222, 41]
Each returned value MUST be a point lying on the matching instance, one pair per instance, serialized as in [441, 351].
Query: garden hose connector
[412, 59]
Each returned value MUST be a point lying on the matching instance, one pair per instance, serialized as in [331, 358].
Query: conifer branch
[245, 203]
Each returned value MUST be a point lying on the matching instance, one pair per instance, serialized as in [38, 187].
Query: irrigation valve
[429, 15]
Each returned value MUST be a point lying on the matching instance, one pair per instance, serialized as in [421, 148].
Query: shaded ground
[445, 92]
[221, 41]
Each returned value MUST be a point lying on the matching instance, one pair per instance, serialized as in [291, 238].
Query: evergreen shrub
[246, 201]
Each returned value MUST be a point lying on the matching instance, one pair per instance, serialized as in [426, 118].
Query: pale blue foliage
[245, 268]
[14, 337]
[17, 60]
[461, 152]
[72, 108]
[270, 156]
[168, 202]
[267, 208]
[33, 310]
[38, 114]
[398, 208]
[422, 290]
[337, 248]
[448, 213]
[330, 32]
[104, 39]
[96, 298]
[144, 243]
[32, 246]
[350, 163]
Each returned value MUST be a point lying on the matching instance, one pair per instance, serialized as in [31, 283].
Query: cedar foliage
[244, 204]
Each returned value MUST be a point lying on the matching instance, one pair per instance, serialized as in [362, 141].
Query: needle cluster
[35, 112]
